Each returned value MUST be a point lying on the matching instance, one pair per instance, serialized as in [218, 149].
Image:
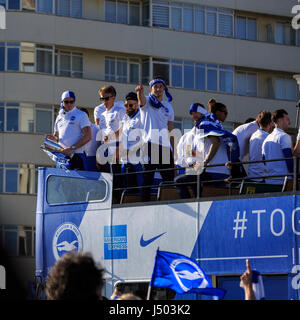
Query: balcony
[149, 42]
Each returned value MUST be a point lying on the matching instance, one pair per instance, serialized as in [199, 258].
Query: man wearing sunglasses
[72, 130]
[109, 124]
[105, 100]
[131, 141]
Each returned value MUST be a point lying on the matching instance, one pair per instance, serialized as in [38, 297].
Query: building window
[44, 59]
[246, 83]
[226, 79]
[12, 56]
[18, 240]
[212, 77]
[160, 14]
[124, 69]
[69, 8]
[225, 23]
[161, 68]
[192, 18]
[284, 34]
[69, 64]
[126, 12]
[286, 89]
[31, 57]
[245, 28]
[18, 178]
[10, 4]
[195, 75]
[9, 175]
[25, 117]
[45, 6]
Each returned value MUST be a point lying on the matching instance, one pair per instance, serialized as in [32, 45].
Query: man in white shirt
[110, 123]
[243, 134]
[190, 154]
[131, 141]
[72, 130]
[157, 116]
[264, 120]
[92, 146]
[276, 146]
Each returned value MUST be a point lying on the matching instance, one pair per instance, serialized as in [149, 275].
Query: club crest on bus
[66, 238]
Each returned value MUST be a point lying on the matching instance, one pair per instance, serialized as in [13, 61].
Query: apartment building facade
[243, 53]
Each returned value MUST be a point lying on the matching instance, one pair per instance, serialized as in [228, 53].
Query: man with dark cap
[72, 130]
[131, 140]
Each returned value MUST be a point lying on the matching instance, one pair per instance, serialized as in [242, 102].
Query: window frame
[35, 107]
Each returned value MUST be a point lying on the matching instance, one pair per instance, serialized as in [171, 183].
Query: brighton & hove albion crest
[67, 238]
[185, 272]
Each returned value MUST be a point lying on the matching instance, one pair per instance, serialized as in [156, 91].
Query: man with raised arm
[157, 116]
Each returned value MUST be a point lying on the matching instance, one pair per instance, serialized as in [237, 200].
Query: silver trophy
[51, 145]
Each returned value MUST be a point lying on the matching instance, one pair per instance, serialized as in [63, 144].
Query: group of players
[138, 135]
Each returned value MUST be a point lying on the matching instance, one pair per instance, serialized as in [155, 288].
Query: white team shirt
[101, 108]
[255, 154]
[155, 120]
[98, 111]
[132, 136]
[110, 120]
[92, 146]
[184, 148]
[69, 126]
[243, 134]
[272, 148]
[219, 158]
[132, 130]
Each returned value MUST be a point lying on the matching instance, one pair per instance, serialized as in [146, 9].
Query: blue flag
[181, 274]
[212, 126]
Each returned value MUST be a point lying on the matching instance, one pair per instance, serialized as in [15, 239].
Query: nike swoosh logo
[145, 243]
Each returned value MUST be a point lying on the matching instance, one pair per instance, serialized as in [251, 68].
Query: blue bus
[220, 230]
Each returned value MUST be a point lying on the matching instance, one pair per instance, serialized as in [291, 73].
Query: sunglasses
[68, 101]
[105, 98]
[129, 105]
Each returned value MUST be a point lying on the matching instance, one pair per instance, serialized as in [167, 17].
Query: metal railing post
[295, 173]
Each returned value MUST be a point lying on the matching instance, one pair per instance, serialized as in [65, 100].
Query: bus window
[62, 190]
[275, 286]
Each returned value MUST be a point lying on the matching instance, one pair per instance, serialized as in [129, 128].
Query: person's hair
[210, 103]
[128, 296]
[218, 106]
[248, 120]
[84, 110]
[264, 118]
[278, 114]
[131, 96]
[75, 276]
[107, 90]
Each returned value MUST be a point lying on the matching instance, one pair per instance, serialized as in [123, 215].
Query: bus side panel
[170, 227]
[259, 229]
